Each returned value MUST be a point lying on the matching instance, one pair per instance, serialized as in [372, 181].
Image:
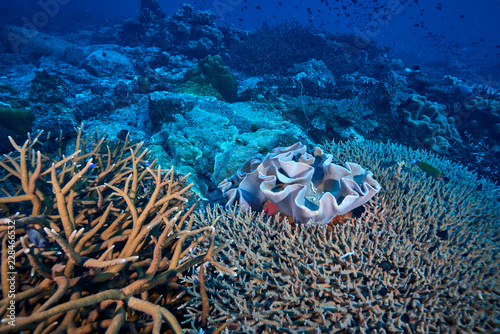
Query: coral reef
[121, 235]
[106, 241]
[227, 139]
[195, 31]
[307, 187]
[275, 49]
[189, 31]
[422, 257]
[427, 124]
[212, 72]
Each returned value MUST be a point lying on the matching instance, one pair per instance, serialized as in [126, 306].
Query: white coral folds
[307, 187]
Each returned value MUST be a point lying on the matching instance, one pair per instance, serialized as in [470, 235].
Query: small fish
[50, 145]
[443, 235]
[432, 171]
[93, 166]
[385, 265]
[122, 134]
[148, 164]
[36, 238]
[383, 291]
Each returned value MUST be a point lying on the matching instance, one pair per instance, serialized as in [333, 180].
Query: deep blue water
[421, 31]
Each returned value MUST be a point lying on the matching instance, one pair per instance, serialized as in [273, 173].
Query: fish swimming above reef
[432, 171]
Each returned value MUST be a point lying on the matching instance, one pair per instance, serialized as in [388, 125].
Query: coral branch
[83, 261]
[62, 286]
[23, 322]
[104, 208]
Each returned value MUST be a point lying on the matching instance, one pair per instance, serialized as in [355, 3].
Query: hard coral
[427, 124]
[307, 187]
[196, 32]
[211, 71]
[121, 236]
[422, 258]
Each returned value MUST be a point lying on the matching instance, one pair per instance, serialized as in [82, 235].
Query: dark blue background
[423, 30]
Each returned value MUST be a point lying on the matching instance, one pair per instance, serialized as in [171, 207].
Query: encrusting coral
[423, 257]
[307, 187]
[121, 235]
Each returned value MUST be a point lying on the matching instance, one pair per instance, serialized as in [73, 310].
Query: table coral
[307, 187]
[121, 235]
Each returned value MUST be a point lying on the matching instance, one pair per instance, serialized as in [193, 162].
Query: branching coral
[423, 257]
[122, 236]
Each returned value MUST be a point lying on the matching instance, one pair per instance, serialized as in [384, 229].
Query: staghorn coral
[307, 187]
[121, 236]
[422, 258]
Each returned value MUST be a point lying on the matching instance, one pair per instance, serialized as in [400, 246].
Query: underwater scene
[237, 166]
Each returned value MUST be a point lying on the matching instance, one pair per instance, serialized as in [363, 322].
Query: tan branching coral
[120, 231]
[423, 257]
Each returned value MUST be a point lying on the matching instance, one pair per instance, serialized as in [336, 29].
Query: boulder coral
[307, 187]
[211, 71]
[427, 124]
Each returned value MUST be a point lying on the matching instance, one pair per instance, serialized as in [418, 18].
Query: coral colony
[306, 187]
[118, 230]
[175, 174]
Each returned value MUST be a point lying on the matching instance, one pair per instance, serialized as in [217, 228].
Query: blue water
[418, 30]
